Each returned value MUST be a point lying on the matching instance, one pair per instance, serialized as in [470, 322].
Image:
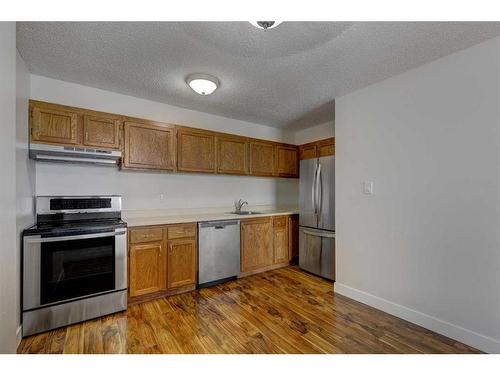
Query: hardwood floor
[280, 311]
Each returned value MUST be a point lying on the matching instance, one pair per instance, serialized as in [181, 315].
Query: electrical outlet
[368, 187]
[162, 197]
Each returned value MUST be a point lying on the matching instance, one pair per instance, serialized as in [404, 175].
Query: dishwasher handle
[218, 224]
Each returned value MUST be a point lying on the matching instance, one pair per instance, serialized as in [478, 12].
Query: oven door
[65, 268]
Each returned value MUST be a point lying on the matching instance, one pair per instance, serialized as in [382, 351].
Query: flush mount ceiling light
[203, 84]
[265, 25]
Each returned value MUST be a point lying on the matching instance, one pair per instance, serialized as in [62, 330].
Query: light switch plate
[368, 187]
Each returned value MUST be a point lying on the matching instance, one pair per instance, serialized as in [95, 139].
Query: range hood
[77, 154]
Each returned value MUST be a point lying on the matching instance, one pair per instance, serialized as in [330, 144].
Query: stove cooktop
[74, 228]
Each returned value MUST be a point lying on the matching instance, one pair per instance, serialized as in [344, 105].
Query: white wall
[141, 190]
[316, 133]
[9, 282]
[25, 169]
[426, 245]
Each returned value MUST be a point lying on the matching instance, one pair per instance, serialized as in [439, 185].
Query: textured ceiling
[286, 77]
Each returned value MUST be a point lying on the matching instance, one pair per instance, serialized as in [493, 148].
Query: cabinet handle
[86, 136]
[170, 249]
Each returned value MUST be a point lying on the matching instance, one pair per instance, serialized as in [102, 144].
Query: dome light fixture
[265, 25]
[202, 83]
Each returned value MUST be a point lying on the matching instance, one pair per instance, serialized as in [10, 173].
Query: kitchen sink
[246, 212]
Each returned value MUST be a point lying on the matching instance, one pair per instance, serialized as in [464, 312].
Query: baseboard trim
[471, 338]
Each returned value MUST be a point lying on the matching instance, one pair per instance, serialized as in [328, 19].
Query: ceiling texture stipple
[286, 77]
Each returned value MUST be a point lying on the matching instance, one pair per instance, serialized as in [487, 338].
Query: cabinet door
[232, 155]
[101, 132]
[326, 147]
[147, 268]
[148, 146]
[261, 159]
[54, 126]
[287, 161]
[195, 151]
[293, 236]
[281, 239]
[181, 263]
[256, 243]
[309, 151]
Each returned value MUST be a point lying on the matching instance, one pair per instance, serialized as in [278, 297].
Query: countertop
[135, 218]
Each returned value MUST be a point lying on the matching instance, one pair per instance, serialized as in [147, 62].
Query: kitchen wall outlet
[368, 187]
[162, 197]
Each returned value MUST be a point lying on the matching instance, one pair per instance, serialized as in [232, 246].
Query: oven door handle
[38, 239]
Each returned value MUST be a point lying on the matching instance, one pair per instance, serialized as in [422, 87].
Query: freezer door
[307, 188]
[317, 252]
[325, 192]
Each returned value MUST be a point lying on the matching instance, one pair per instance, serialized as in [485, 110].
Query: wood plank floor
[280, 311]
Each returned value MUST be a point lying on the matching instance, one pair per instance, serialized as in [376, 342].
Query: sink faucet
[239, 204]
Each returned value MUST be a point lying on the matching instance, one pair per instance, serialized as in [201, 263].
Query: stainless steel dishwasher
[218, 251]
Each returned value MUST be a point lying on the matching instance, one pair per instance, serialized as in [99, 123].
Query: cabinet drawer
[146, 235]
[279, 221]
[181, 231]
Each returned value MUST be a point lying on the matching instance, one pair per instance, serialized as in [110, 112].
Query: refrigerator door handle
[313, 191]
[319, 233]
[319, 191]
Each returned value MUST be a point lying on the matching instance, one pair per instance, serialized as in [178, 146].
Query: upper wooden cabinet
[324, 147]
[308, 151]
[101, 132]
[53, 125]
[256, 243]
[287, 161]
[232, 155]
[261, 158]
[158, 146]
[148, 145]
[195, 151]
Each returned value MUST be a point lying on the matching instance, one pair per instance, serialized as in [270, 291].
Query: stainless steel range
[74, 263]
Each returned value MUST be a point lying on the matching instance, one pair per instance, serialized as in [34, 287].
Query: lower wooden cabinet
[267, 243]
[281, 239]
[147, 268]
[256, 243]
[162, 260]
[181, 263]
[293, 237]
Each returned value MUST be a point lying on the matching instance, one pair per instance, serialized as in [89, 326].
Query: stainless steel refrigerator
[317, 216]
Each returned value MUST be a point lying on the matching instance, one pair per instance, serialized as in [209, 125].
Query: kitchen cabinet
[261, 158]
[148, 145]
[324, 147]
[232, 155]
[309, 151]
[287, 161]
[195, 151]
[181, 262]
[293, 237]
[256, 243]
[162, 260]
[146, 268]
[53, 125]
[102, 132]
[281, 239]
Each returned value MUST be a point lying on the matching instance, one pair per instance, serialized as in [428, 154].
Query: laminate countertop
[136, 218]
